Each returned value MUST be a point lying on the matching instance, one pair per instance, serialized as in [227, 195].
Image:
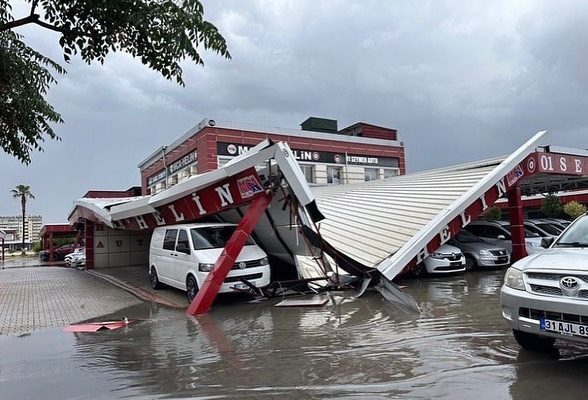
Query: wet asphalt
[457, 348]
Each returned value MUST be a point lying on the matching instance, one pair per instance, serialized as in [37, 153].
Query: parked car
[498, 233]
[563, 222]
[182, 256]
[551, 227]
[59, 253]
[542, 229]
[76, 259]
[478, 252]
[446, 259]
[545, 295]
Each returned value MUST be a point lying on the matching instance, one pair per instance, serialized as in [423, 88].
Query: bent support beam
[206, 295]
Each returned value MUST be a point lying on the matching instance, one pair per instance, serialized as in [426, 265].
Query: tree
[161, 33]
[551, 206]
[22, 192]
[492, 214]
[574, 209]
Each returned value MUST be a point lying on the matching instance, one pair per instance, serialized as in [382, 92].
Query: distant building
[327, 155]
[13, 226]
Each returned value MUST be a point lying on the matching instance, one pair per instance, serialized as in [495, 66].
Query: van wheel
[470, 263]
[154, 280]
[532, 342]
[191, 287]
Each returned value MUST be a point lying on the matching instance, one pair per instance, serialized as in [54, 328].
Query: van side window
[169, 240]
[183, 245]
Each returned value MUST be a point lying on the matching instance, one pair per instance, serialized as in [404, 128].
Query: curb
[136, 291]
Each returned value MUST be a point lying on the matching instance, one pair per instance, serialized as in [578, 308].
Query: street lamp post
[163, 148]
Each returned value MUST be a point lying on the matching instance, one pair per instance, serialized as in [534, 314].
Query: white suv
[545, 295]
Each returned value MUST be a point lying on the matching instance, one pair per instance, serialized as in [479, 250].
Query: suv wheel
[154, 279]
[530, 341]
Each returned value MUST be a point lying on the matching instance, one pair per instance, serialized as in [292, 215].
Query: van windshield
[213, 237]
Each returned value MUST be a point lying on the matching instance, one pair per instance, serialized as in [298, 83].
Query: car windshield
[213, 237]
[467, 237]
[576, 235]
[552, 230]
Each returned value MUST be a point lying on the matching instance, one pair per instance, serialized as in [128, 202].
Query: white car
[446, 259]
[76, 259]
[545, 295]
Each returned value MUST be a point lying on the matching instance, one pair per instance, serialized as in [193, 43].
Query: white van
[182, 255]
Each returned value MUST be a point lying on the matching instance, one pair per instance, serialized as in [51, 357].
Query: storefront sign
[174, 167]
[233, 150]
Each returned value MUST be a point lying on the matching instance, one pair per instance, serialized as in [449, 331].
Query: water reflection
[458, 348]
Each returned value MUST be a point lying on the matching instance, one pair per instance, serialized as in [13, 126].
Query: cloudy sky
[460, 80]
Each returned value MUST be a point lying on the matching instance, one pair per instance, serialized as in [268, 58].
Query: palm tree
[24, 193]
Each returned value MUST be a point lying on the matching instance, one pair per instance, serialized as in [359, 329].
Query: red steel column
[51, 247]
[517, 230]
[89, 244]
[207, 293]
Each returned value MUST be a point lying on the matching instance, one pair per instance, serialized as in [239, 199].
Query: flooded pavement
[458, 348]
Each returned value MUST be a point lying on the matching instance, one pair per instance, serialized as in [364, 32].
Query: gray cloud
[460, 82]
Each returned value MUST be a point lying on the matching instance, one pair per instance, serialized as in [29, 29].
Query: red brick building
[360, 152]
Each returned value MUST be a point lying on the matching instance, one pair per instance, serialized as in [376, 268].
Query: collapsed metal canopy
[386, 224]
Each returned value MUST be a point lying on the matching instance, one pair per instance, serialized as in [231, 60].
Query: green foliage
[61, 241]
[161, 33]
[37, 247]
[551, 207]
[492, 214]
[574, 209]
[24, 113]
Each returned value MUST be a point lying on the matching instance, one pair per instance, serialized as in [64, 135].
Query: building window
[334, 175]
[308, 171]
[389, 173]
[371, 174]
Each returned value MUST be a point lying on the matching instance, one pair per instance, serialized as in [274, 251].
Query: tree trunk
[23, 202]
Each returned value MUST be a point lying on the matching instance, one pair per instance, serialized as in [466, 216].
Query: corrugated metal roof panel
[369, 221]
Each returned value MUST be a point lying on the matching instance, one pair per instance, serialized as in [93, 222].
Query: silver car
[545, 295]
[478, 252]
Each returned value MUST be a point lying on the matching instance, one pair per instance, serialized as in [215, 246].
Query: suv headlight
[205, 267]
[485, 252]
[263, 261]
[514, 279]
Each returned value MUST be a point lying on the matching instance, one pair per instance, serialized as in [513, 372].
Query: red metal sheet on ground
[96, 326]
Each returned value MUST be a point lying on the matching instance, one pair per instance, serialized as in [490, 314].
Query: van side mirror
[547, 241]
[183, 248]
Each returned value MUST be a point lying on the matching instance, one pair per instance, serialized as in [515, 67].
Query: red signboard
[553, 163]
[223, 195]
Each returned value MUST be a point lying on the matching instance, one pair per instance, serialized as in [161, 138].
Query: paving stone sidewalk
[34, 298]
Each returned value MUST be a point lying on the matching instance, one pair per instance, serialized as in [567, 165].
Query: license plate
[455, 264]
[563, 328]
[502, 259]
[240, 286]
